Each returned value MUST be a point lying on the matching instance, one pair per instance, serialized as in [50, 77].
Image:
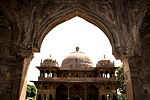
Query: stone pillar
[145, 68]
[55, 75]
[42, 95]
[13, 80]
[54, 94]
[132, 77]
[43, 73]
[85, 93]
[40, 74]
[99, 95]
[47, 95]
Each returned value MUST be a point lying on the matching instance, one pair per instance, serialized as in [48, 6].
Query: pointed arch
[59, 18]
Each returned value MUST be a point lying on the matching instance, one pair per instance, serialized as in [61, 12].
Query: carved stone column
[13, 72]
[54, 94]
[14, 81]
[5, 80]
[132, 77]
[145, 68]
[99, 94]
[55, 74]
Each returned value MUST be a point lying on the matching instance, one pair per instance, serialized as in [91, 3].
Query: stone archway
[77, 92]
[26, 23]
[61, 95]
[93, 94]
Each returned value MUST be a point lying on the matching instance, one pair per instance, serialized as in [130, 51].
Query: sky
[65, 37]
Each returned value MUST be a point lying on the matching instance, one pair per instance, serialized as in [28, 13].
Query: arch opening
[50, 47]
[90, 96]
[86, 15]
[61, 92]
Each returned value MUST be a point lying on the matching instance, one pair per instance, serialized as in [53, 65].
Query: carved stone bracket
[124, 52]
[25, 51]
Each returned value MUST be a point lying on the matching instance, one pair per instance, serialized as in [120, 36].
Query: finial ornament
[104, 56]
[77, 49]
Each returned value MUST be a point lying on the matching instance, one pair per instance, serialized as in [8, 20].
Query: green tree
[122, 86]
[121, 79]
[31, 91]
[122, 97]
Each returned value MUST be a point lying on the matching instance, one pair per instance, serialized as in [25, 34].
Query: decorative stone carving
[25, 50]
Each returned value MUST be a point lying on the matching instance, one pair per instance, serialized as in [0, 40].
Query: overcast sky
[63, 39]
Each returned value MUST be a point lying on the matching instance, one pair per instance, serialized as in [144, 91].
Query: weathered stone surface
[25, 23]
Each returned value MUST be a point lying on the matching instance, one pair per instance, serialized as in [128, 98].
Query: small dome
[105, 63]
[49, 62]
[77, 60]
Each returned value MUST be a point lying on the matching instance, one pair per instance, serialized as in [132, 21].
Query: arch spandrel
[90, 15]
[36, 19]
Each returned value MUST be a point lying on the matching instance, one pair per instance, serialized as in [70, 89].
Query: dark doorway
[90, 97]
[45, 98]
[76, 97]
[61, 92]
[114, 97]
[77, 92]
[103, 97]
[39, 97]
[93, 93]
[50, 96]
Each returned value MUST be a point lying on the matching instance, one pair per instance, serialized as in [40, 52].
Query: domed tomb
[77, 60]
[105, 63]
[49, 62]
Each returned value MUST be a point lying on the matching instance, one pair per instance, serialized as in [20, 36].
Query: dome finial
[104, 56]
[77, 49]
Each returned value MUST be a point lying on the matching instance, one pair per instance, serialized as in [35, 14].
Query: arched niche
[93, 93]
[61, 92]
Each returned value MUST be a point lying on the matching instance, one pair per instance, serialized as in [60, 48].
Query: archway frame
[52, 21]
[120, 47]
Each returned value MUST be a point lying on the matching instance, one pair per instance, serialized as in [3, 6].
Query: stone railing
[77, 79]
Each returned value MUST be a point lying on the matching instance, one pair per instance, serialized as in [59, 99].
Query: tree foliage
[121, 79]
[122, 87]
[31, 91]
[122, 97]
